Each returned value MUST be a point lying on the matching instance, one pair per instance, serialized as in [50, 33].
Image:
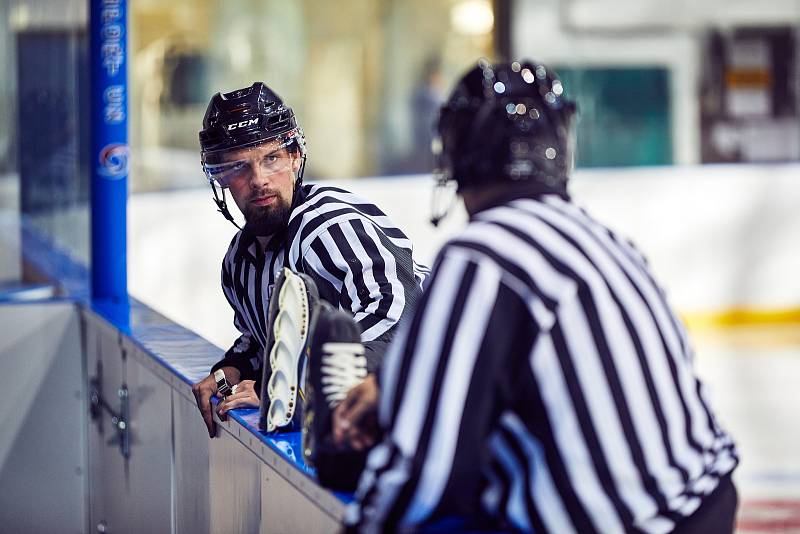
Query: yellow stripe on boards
[746, 328]
[741, 317]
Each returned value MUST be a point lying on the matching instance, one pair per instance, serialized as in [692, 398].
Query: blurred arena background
[689, 142]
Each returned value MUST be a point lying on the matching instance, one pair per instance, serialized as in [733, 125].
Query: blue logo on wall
[114, 161]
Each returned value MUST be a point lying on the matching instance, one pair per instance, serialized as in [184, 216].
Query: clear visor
[271, 157]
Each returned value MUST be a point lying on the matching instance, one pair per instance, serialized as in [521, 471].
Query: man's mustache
[262, 194]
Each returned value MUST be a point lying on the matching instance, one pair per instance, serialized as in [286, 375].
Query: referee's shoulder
[326, 202]
[480, 240]
[488, 236]
[323, 191]
[486, 230]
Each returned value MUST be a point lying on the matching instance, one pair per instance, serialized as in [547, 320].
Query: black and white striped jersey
[545, 381]
[358, 259]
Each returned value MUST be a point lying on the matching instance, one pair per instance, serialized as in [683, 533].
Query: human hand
[205, 389]
[244, 396]
[355, 418]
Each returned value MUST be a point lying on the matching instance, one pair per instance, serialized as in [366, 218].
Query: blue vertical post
[109, 161]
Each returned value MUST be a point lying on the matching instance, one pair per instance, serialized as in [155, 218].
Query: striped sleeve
[244, 354]
[439, 396]
[373, 278]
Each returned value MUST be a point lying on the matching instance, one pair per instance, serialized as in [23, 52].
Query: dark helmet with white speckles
[506, 122]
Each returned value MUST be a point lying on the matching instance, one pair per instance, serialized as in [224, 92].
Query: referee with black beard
[357, 259]
[543, 383]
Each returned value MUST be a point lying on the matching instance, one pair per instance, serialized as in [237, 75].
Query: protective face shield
[279, 158]
[507, 122]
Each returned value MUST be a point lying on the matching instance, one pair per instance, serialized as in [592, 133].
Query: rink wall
[723, 240]
[104, 431]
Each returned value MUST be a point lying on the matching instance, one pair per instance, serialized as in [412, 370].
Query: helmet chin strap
[298, 183]
[442, 201]
[440, 204]
[222, 206]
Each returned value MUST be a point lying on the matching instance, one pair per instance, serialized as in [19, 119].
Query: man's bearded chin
[266, 220]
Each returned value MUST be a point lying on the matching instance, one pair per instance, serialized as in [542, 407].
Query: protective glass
[269, 158]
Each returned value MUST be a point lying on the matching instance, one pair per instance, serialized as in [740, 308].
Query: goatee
[267, 220]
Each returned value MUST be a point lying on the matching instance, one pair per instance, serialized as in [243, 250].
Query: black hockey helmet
[244, 118]
[506, 122]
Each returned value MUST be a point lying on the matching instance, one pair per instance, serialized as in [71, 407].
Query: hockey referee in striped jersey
[252, 146]
[543, 383]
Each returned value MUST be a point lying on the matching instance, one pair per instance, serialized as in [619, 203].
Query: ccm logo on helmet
[243, 124]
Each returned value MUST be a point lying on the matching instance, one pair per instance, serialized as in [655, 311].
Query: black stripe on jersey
[324, 257]
[243, 253]
[261, 314]
[408, 271]
[276, 262]
[241, 291]
[378, 273]
[337, 296]
[541, 428]
[587, 427]
[356, 267]
[406, 494]
[311, 225]
[635, 256]
[710, 421]
[227, 281]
